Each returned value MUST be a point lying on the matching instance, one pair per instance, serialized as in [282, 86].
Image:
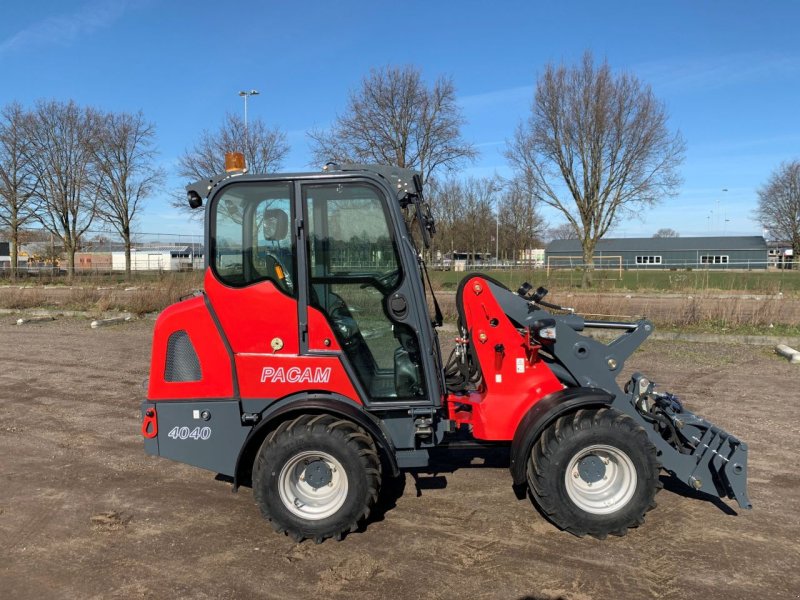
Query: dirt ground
[84, 513]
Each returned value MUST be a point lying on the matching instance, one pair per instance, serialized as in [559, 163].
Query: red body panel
[193, 317]
[280, 375]
[253, 316]
[514, 377]
[320, 335]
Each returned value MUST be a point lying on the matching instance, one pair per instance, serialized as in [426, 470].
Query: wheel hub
[600, 479]
[313, 485]
[318, 473]
[591, 468]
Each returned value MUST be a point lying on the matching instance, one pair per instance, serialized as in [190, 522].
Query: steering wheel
[385, 282]
[344, 323]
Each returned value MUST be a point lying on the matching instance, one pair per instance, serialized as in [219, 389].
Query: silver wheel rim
[304, 500]
[612, 491]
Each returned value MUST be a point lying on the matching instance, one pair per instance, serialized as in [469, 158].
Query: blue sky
[729, 73]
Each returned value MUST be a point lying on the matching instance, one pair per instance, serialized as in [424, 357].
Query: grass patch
[716, 327]
[140, 297]
[698, 312]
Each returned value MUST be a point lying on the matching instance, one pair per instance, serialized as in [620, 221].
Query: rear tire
[594, 472]
[316, 476]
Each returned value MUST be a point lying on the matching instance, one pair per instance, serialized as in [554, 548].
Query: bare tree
[395, 119]
[446, 200]
[18, 181]
[666, 232]
[778, 208]
[124, 153]
[520, 223]
[596, 146]
[476, 228]
[563, 231]
[62, 137]
[264, 148]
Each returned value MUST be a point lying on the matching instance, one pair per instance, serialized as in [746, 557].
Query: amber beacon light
[234, 161]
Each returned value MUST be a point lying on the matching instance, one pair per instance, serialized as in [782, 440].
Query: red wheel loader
[309, 368]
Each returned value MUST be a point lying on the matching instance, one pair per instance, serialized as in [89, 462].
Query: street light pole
[497, 239]
[724, 216]
[245, 94]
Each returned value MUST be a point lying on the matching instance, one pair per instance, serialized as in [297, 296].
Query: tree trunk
[71, 261]
[14, 243]
[796, 253]
[127, 256]
[14, 252]
[588, 263]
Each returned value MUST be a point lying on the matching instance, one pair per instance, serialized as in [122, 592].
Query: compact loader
[309, 368]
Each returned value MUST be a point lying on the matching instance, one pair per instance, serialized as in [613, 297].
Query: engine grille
[182, 362]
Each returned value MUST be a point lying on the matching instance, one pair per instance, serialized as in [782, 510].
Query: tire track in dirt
[32, 526]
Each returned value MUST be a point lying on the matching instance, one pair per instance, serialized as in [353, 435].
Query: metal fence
[103, 253]
[616, 265]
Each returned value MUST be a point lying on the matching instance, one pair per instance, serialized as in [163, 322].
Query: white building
[161, 258]
[5, 258]
[780, 255]
[532, 256]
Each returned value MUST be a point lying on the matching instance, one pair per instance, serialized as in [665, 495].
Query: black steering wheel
[385, 283]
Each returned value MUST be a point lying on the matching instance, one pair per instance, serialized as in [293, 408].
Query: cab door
[357, 283]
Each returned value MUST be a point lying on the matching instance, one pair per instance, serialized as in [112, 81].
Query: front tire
[594, 473]
[316, 476]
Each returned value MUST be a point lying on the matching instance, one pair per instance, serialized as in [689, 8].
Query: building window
[648, 260]
[713, 260]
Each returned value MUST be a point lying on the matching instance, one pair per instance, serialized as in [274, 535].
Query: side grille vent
[182, 362]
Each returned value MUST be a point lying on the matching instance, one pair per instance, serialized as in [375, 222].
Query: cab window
[251, 237]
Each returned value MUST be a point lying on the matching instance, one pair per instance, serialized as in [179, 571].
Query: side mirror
[275, 225]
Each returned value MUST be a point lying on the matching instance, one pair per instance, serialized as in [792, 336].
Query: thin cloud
[495, 98]
[490, 144]
[716, 72]
[65, 29]
[730, 146]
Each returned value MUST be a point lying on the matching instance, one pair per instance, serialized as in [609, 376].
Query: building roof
[651, 244]
[154, 248]
[101, 247]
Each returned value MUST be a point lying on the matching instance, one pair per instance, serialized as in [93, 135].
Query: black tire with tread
[341, 438]
[553, 450]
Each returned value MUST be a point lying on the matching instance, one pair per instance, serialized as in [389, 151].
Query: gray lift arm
[693, 450]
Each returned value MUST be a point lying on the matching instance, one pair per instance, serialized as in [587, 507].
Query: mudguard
[305, 403]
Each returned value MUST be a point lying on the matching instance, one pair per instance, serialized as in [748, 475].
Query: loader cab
[327, 257]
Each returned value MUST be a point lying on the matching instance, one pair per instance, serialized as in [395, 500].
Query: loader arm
[696, 452]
